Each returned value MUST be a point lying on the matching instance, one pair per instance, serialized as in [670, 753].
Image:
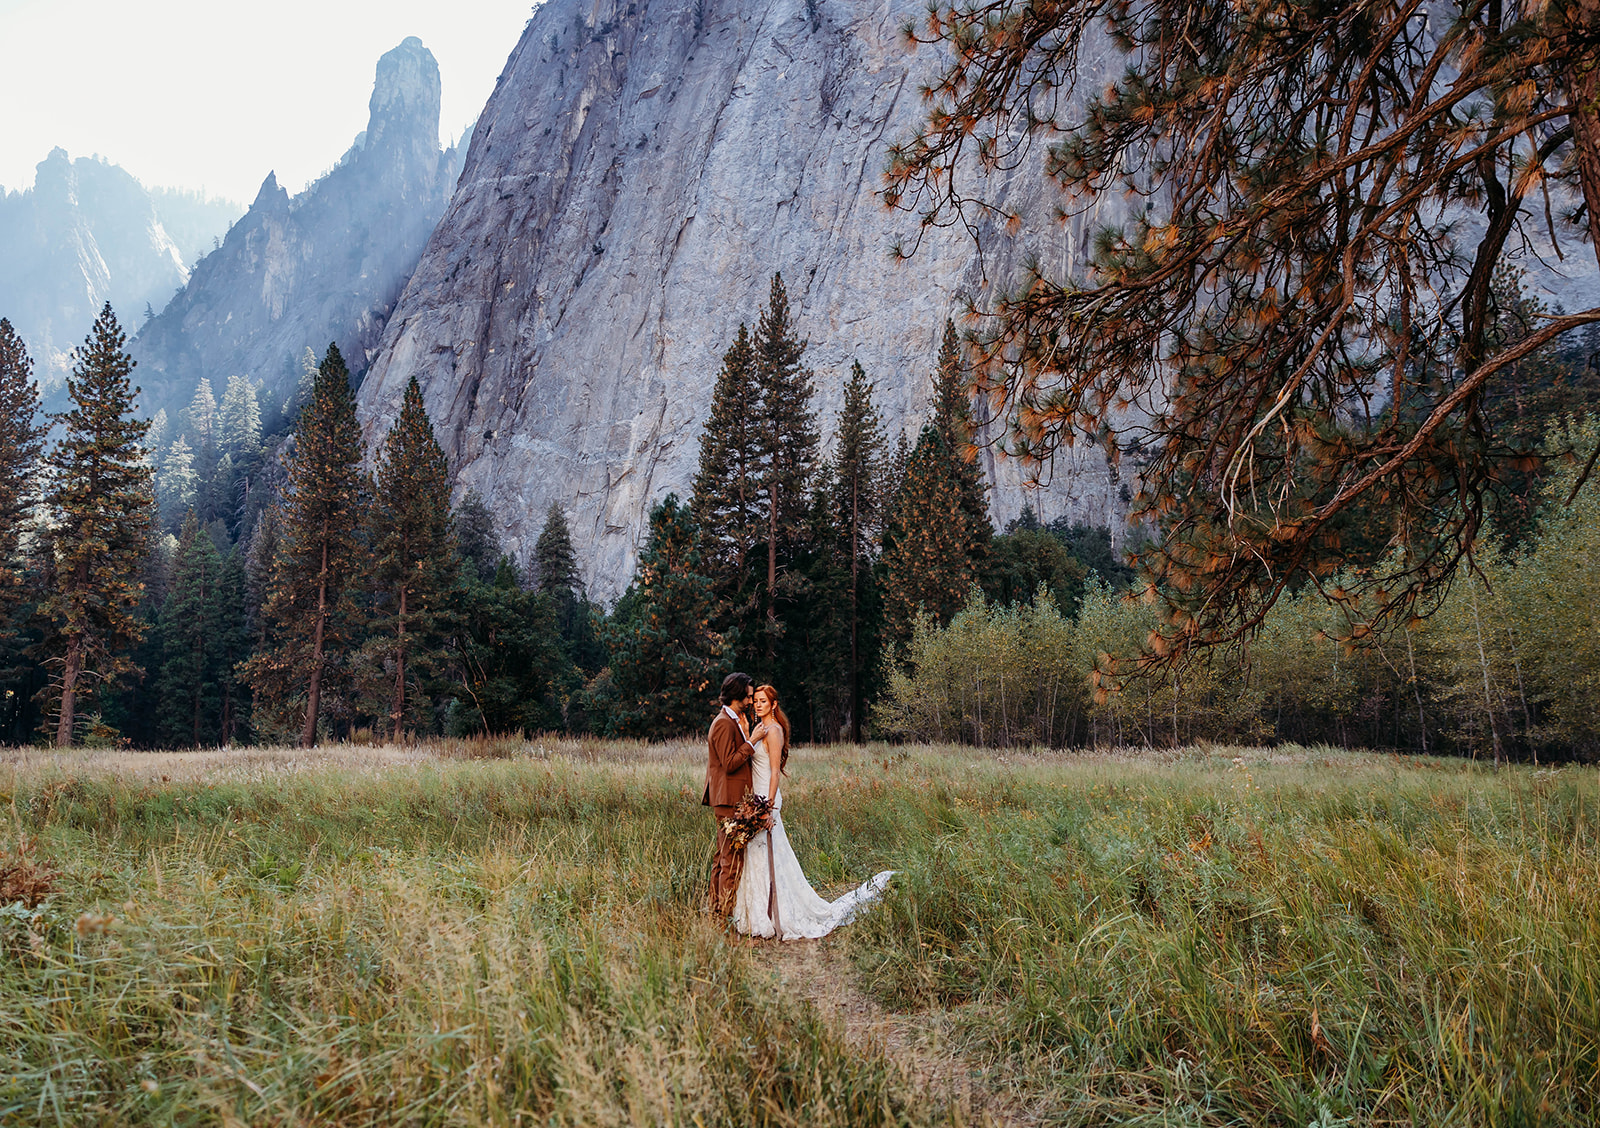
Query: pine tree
[199, 419]
[311, 609]
[856, 511]
[508, 656]
[476, 542]
[233, 647]
[554, 559]
[1252, 300]
[189, 695]
[665, 658]
[414, 560]
[155, 439]
[787, 438]
[952, 416]
[260, 551]
[21, 441]
[894, 470]
[239, 419]
[929, 544]
[177, 483]
[727, 503]
[100, 500]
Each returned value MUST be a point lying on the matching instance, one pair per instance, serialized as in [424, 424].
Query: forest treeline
[249, 573]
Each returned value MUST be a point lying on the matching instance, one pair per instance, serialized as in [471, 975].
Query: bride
[774, 898]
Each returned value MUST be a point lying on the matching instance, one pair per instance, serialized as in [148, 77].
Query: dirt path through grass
[918, 1043]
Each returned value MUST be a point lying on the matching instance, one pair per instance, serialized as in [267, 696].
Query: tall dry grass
[511, 935]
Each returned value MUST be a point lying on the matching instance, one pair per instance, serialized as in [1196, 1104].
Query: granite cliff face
[324, 266]
[86, 233]
[641, 170]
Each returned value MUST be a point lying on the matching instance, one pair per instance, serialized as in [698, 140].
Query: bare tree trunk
[308, 735]
[69, 690]
[772, 569]
[397, 714]
[1416, 689]
[199, 660]
[1483, 665]
[855, 679]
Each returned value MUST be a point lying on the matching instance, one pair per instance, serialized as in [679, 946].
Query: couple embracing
[768, 896]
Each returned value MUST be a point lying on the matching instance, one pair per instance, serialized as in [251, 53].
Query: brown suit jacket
[728, 767]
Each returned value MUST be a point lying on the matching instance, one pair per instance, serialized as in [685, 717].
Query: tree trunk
[308, 735]
[772, 568]
[1483, 666]
[855, 558]
[397, 715]
[69, 690]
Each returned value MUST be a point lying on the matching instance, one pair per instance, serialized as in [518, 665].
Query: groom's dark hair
[735, 687]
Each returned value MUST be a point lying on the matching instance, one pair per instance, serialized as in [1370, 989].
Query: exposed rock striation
[324, 266]
[641, 170]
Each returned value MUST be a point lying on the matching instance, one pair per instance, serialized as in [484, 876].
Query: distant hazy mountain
[327, 265]
[88, 232]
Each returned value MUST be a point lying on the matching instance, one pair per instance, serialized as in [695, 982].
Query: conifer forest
[253, 573]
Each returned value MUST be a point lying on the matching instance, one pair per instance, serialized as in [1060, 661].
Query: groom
[727, 779]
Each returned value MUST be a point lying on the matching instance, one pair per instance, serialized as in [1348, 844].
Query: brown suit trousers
[727, 779]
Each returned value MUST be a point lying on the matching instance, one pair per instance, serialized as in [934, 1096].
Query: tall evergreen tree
[100, 500]
[508, 656]
[414, 559]
[556, 563]
[188, 689]
[856, 510]
[233, 646]
[200, 417]
[929, 545]
[310, 611]
[728, 503]
[787, 435]
[952, 416]
[21, 441]
[260, 551]
[239, 419]
[177, 482]
[477, 544]
[155, 439]
[665, 658]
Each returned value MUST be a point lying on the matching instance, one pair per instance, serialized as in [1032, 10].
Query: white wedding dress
[796, 913]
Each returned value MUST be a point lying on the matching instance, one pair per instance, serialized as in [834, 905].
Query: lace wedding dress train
[794, 912]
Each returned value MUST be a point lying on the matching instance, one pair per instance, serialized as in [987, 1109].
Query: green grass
[1286, 939]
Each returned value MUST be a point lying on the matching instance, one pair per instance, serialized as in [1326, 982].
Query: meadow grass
[413, 936]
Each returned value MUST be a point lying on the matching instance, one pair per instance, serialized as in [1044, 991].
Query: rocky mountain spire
[326, 264]
[638, 176]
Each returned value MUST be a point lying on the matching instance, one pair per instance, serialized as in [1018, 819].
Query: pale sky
[214, 94]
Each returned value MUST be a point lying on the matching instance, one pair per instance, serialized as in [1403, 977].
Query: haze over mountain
[326, 265]
[86, 233]
[639, 173]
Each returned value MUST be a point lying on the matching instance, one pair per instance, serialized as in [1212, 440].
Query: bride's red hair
[783, 722]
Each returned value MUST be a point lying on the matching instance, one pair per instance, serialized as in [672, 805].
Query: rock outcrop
[324, 266]
[86, 233]
[641, 170]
